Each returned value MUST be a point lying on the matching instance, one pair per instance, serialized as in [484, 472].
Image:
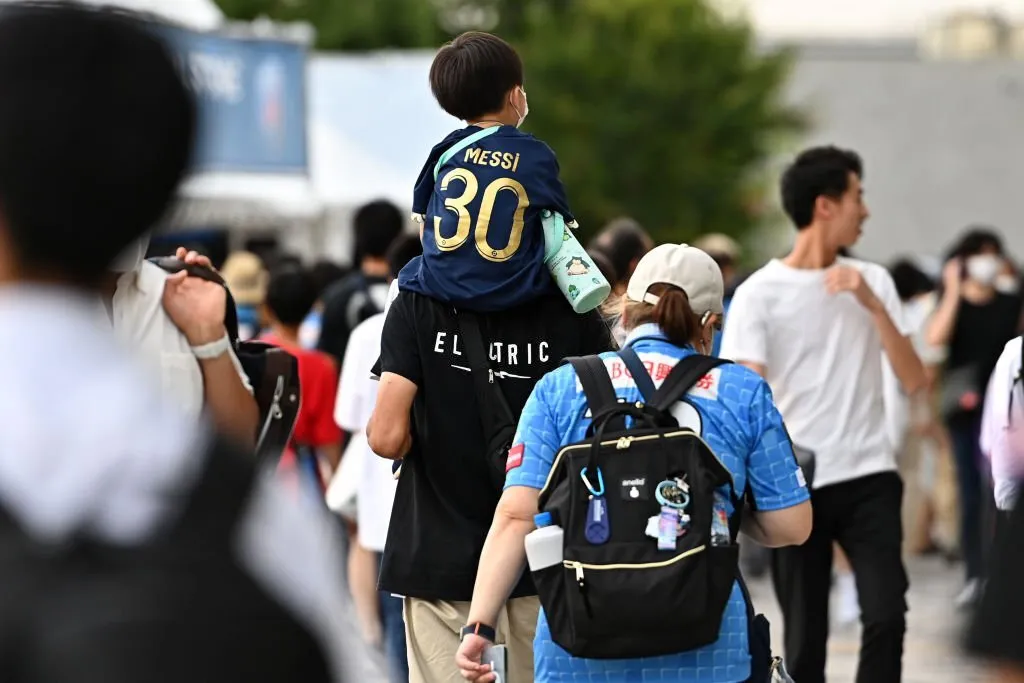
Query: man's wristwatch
[478, 629]
[213, 349]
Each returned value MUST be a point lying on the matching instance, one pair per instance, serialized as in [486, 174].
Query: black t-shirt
[445, 499]
[346, 304]
[996, 632]
[980, 333]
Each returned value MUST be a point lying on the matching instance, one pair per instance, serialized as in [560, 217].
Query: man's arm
[898, 347]
[745, 338]
[943, 321]
[197, 308]
[388, 431]
[229, 398]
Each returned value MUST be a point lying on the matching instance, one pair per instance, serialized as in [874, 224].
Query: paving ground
[932, 652]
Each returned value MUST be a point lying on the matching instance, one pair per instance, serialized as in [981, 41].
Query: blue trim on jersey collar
[649, 331]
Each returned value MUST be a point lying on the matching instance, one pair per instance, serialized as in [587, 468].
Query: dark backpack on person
[616, 595]
[272, 372]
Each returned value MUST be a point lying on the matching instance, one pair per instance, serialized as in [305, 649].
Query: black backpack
[622, 597]
[272, 371]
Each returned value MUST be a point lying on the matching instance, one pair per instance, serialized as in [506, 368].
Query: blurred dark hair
[404, 249]
[604, 264]
[672, 314]
[377, 224]
[975, 240]
[473, 74]
[624, 242]
[817, 172]
[910, 280]
[325, 273]
[291, 294]
[97, 130]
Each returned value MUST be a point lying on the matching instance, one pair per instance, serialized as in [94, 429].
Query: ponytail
[672, 314]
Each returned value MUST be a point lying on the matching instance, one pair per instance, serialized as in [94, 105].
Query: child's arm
[548, 191]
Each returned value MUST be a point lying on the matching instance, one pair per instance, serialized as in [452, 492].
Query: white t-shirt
[823, 360]
[357, 393]
[1002, 425]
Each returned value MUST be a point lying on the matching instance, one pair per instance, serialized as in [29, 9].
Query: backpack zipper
[580, 566]
[581, 580]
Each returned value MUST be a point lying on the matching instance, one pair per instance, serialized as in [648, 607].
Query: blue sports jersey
[483, 244]
[733, 410]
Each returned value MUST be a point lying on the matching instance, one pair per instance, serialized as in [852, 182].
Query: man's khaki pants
[432, 638]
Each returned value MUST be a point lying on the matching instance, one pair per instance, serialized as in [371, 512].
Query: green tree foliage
[658, 109]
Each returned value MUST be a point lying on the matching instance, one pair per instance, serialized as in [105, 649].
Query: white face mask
[984, 268]
[525, 111]
[132, 257]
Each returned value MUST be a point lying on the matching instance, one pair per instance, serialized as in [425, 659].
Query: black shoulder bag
[496, 418]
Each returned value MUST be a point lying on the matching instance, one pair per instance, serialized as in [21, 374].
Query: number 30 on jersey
[458, 206]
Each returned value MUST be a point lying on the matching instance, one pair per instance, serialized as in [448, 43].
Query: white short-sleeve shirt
[140, 321]
[824, 361]
[357, 394]
[1002, 425]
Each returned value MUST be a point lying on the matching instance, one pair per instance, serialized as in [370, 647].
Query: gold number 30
[457, 205]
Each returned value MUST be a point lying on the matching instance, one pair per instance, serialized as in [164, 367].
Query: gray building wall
[943, 142]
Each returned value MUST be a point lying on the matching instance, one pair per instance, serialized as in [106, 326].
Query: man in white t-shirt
[816, 325]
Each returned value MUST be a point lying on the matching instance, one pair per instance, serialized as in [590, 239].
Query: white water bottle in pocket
[544, 544]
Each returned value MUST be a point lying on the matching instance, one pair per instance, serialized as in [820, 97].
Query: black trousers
[863, 516]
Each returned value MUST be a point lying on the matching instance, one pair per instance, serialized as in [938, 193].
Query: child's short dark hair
[291, 295]
[472, 75]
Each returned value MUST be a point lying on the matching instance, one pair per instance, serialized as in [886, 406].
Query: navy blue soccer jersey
[483, 243]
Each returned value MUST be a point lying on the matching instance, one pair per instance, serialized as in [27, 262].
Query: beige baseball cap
[246, 278]
[682, 266]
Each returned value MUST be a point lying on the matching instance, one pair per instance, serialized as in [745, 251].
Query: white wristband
[213, 349]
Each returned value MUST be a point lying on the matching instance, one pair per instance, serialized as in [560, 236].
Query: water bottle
[544, 544]
[720, 523]
[579, 279]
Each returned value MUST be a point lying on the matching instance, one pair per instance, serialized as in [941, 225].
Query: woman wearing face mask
[974, 321]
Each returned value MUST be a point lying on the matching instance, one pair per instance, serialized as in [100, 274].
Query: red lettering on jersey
[662, 371]
[617, 370]
[705, 382]
[515, 457]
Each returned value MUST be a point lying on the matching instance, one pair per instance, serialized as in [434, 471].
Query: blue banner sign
[252, 101]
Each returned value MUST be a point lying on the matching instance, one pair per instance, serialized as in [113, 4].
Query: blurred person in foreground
[316, 442]
[815, 315]
[135, 543]
[363, 293]
[379, 612]
[974, 320]
[1002, 425]
[624, 242]
[246, 278]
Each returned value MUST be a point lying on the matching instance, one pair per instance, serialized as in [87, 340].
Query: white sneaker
[970, 595]
[848, 606]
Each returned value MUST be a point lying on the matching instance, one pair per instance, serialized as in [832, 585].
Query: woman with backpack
[644, 584]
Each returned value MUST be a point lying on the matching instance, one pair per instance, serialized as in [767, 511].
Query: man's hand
[468, 657]
[847, 279]
[196, 307]
[194, 258]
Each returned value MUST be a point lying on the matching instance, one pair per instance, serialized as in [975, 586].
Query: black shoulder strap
[597, 385]
[641, 377]
[494, 409]
[684, 375]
